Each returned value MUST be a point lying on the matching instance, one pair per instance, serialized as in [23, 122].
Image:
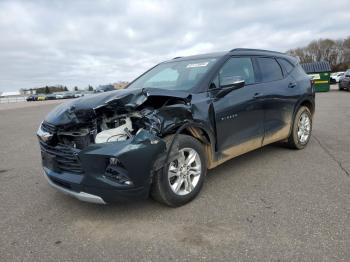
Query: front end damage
[105, 148]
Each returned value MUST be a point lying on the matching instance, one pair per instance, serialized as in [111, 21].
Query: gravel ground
[273, 204]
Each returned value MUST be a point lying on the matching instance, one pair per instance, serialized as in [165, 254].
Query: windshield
[175, 75]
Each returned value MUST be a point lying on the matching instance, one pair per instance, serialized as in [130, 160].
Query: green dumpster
[320, 73]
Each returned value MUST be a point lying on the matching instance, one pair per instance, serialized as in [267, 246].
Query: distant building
[31, 91]
[10, 94]
[120, 85]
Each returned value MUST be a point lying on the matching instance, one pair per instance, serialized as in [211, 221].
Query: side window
[270, 69]
[300, 69]
[240, 68]
[288, 67]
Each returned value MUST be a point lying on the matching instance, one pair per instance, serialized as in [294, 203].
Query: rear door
[280, 94]
[239, 114]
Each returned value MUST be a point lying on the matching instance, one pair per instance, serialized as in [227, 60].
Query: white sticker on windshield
[197, 65]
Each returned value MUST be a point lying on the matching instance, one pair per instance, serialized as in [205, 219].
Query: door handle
[292, 85]
[257, 95]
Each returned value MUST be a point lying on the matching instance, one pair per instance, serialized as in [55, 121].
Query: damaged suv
[159, 136]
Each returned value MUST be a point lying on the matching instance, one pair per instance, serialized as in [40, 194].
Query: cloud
[97, 42]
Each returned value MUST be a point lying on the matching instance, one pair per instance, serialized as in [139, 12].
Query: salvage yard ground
[273, 204]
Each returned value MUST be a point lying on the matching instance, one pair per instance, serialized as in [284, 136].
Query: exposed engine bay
[121, 119]
[106, 130]
[102, 130]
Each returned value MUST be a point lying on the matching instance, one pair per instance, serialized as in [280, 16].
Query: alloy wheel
[304, 128]
[184, 172]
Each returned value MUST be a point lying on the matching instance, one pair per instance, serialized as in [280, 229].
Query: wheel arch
[204, 136]
[305, 100]
[307, 103]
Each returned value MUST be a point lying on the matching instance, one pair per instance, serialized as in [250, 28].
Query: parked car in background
[335, 77]
[344, 82]
[41, 97]
[104, 88]
[88, 93]
[159, 136]
[78, 94]
[32, 98]
[59, 95]
[50, 97]
[67, 95]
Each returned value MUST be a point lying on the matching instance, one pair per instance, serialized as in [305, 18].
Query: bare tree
[336, 52]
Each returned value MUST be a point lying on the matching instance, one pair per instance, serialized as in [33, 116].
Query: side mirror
[228, 84]
[228, 81]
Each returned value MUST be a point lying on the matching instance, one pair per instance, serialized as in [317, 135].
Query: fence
[12, 99]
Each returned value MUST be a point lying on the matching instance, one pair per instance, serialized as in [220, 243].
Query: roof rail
[252, 49]
[177, 57]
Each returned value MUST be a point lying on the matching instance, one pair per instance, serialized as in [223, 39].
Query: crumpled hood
[83, 109]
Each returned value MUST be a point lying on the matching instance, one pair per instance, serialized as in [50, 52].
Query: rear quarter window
[269, 68]
[286, 66]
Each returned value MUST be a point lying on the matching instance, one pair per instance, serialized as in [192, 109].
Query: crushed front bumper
[94, 181]
[83, 196]
[74, 186]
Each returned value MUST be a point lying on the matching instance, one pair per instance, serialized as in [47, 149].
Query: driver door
[239, 114]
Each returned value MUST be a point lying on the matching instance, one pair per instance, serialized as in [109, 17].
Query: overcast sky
[97, 42]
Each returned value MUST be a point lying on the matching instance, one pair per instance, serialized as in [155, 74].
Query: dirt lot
[273, 204]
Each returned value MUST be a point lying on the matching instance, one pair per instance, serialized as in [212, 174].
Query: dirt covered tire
[301, 130]
[180, 181]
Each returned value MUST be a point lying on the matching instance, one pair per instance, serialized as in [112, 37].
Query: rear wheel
[181, 180]
[302, 127]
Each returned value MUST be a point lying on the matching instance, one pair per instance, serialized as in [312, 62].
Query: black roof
[255, 51]
[238, 51]
[200, 56]
[317, 67]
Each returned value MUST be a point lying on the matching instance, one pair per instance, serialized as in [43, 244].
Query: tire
[296, 141]
[165, 182]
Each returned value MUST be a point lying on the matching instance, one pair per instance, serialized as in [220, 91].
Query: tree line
[53, 89]
[336, 52]
[49, 89]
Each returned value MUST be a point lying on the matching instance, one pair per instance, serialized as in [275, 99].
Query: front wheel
[181, 180]
[301, 130]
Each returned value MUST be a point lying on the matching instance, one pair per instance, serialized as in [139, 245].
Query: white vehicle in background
[78, 94]
[335, 77]
[59, 96]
